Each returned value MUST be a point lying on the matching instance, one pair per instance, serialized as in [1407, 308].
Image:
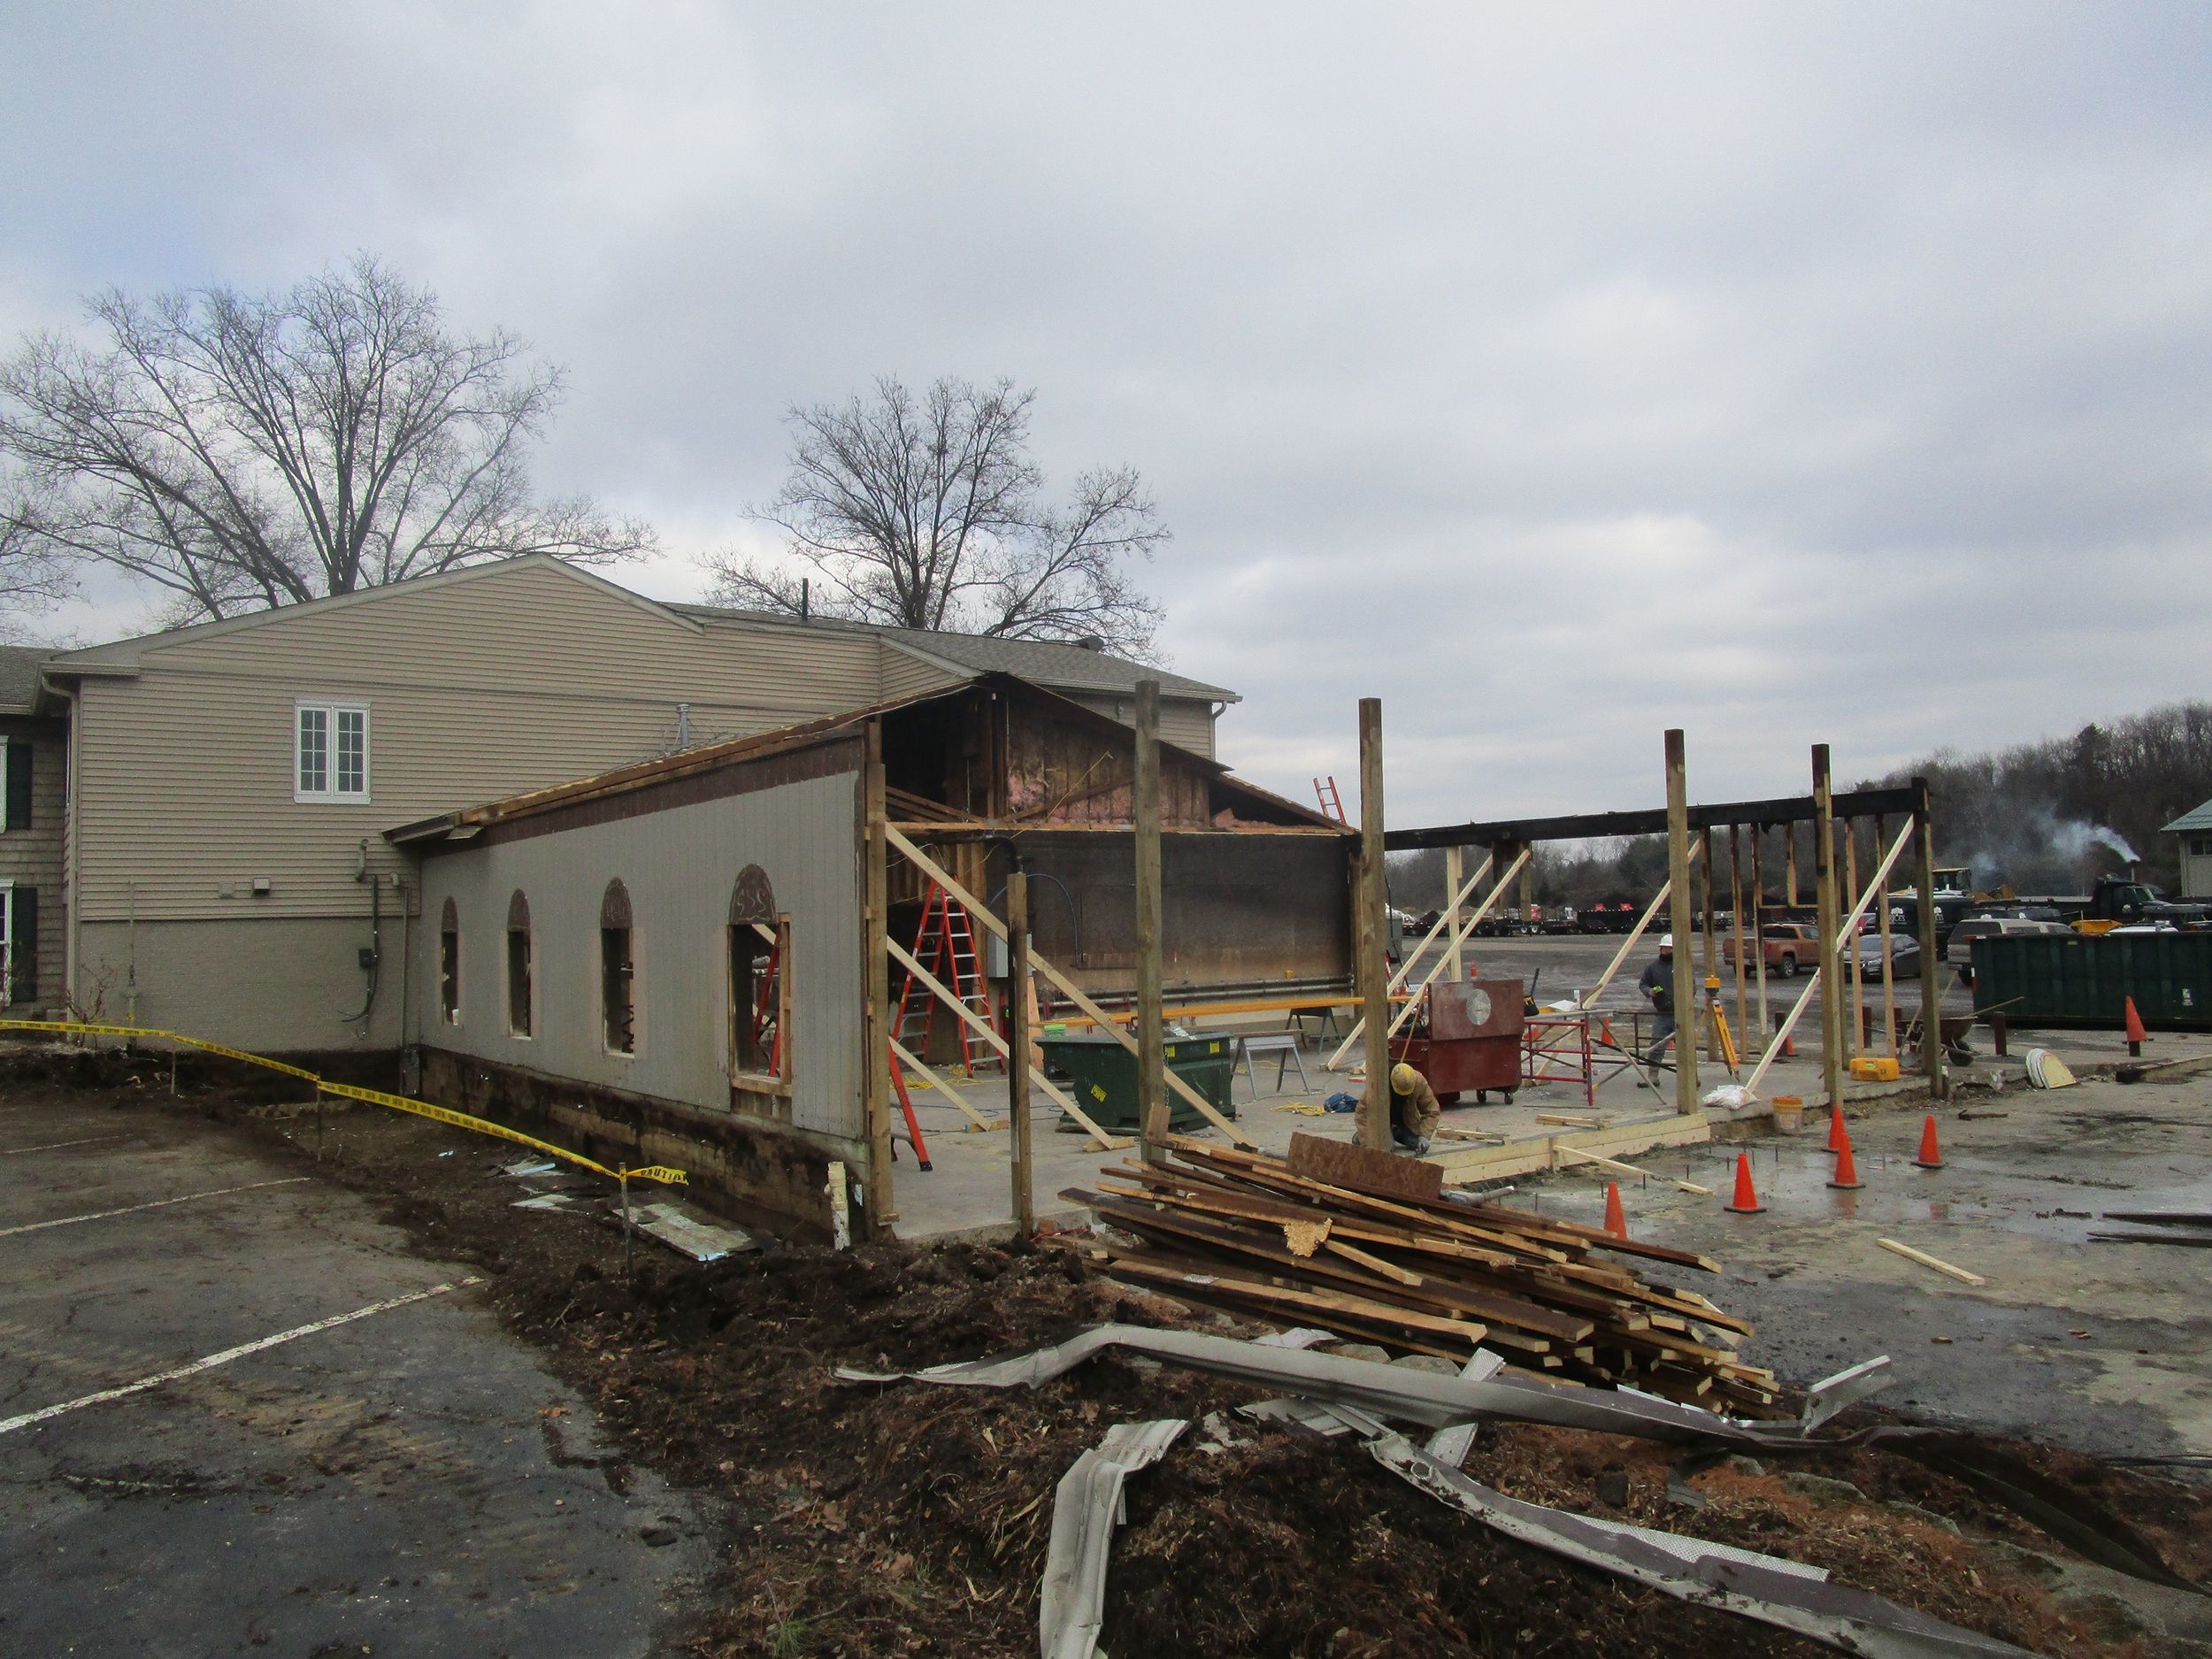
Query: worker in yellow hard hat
[1413, 1109]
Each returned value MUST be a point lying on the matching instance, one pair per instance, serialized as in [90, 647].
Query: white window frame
[331, 709]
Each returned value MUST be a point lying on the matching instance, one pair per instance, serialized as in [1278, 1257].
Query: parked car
[1959, 947]
[1791, 947]
[1904, 956]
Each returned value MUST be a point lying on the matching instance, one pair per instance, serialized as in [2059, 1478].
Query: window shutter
[23, 938]
[19, 784]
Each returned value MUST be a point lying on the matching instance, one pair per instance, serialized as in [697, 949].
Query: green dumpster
[1104, 1077]
[2055, 980]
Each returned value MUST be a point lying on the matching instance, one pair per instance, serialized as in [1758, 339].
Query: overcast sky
[1788, 374]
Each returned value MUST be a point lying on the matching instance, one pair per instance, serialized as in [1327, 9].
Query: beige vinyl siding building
[229, 876]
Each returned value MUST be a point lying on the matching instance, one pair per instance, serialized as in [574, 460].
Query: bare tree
[32, 580]
[926, 512]
[245, 451]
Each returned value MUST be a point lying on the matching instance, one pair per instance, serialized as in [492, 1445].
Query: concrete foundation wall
[274, 986]
[753, 1173]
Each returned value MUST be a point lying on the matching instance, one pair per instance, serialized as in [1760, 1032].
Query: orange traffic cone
[1745, 1201]
[1789, 1047]
[1931, 1155]
[1846, 1173]
[1605, 1031]
[1615, 1222]
[1839, 1137]
[2135, 1030]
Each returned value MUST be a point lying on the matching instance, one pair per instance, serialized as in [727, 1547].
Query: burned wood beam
[1590, 825]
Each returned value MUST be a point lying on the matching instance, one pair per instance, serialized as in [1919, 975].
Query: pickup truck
[1790, 947]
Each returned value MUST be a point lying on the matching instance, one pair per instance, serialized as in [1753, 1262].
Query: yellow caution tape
[373, 1097]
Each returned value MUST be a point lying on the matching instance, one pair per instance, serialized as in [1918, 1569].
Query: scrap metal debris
[1393, 1393]
[1767, 1589]
[1087, 1507]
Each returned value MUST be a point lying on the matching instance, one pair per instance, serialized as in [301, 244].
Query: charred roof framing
[1852, 803]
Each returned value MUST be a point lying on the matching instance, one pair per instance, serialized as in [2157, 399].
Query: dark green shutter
[19, 784]
[22, 939]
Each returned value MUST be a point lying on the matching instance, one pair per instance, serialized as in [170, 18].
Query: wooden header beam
[1592, 826]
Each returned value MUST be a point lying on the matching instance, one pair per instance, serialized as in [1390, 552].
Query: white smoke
[2116, 841]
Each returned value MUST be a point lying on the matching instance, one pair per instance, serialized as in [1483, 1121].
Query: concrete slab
[412, 1483]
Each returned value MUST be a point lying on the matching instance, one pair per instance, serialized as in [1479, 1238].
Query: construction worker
[1413, 1110]
[1658, 985]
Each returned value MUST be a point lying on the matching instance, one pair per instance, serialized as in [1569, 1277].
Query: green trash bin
[1103, 1078]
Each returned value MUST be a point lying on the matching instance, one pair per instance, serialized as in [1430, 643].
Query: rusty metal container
[1467, 1037]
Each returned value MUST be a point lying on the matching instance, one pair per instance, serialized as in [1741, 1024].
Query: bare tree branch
[243, 451]
[926, 512]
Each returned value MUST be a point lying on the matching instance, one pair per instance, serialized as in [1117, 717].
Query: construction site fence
[349, 1091]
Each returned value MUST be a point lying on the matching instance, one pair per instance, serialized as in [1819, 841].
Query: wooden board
[1341, 1163]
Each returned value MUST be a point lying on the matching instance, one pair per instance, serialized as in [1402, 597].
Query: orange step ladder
[945, 946]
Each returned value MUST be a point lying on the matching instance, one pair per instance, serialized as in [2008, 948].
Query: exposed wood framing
[1152, 1118]
[1373, 898]
[1059, 981]
[1678, 916]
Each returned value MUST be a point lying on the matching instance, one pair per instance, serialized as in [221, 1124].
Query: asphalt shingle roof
[18, 675]
[1045, 662]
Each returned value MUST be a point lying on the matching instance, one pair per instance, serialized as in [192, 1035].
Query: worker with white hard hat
[1413, 1110]
[1658, 985]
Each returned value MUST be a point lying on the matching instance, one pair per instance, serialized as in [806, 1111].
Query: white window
[330, 751]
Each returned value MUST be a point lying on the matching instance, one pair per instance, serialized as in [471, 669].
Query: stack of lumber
[1359, 1255]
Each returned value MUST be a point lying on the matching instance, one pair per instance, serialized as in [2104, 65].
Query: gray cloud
[1785, 374]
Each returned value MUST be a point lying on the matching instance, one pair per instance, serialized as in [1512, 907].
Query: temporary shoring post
[1707, 946]
[1735, 930]
[1824, 902]
[1759, 936]
[875, 1020]
[1373, 900]
[1152, 1120]
[1453, 961]
[1855, 1035]
[1889, 965]
[1016, 1072]
[1789, 865]
[1825, 973]
[1679, 912]
[1930, 999]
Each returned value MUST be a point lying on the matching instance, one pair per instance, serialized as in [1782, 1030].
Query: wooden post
[1857, 1037]
[1152, 1118]
[1735, 932]
[1759, 935]
[1824, 904]
[1708, 961]
[1019, 1035]
[1889, 965]
[1931, 998]
[1456, 950]
[1678, 914]
[875, 1017]
[1789, 865]
[1373, 901]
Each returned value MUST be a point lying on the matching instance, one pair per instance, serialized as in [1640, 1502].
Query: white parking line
[8, 1425]
[131, 1209]
[56, 1146]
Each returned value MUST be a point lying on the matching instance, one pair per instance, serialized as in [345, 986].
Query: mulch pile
[914, 1520]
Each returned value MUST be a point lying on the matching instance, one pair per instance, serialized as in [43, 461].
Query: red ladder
[1332, 802]
[945, 946]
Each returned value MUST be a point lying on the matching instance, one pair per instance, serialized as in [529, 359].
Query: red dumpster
[1466, 1036]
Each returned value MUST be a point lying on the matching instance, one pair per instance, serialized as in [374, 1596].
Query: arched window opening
[618, 970]
[449, 965]
[520, 988]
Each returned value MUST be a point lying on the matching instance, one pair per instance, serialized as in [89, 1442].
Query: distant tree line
[2045, 817]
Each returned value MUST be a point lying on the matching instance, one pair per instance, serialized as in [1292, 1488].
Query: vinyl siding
[476, 690]
[906, 675]
[1186, 722]
[679, 865]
